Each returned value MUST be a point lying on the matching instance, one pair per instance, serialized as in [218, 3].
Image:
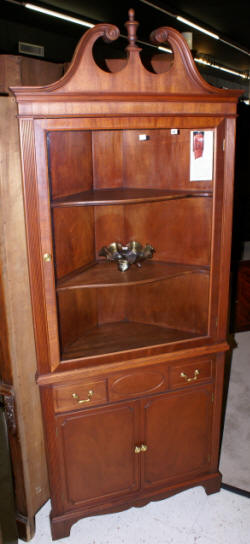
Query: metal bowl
[126, 255]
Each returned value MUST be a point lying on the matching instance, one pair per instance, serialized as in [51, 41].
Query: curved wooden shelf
[120, 336]
[104, 274]
[103, 197]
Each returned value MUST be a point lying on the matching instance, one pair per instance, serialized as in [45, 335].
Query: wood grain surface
[18, 362]
[101, 165]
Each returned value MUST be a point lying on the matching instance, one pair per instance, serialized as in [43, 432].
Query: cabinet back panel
[70, 162]
[112, 304]
[107, 159]
[73, 238]
[109, 226]
[179, 230]
[160, 162]
[179, 303]
[83, 309]
[77, 312]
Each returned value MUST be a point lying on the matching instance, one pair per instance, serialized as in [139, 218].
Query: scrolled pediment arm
[183, 59]
[107, 32]
[182, 53]
[160, 35]
[175, 39]
[84, 50]
[110, 32]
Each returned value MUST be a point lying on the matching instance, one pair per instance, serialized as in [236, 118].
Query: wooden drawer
[80, 395]
[190, 373]
[139, 382]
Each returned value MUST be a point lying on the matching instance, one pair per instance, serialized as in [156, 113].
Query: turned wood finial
[131, 26]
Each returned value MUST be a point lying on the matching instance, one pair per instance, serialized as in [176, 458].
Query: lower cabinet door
[97, 453]
[177, 431]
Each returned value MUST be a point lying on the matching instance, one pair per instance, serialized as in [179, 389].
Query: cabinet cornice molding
[85, 80]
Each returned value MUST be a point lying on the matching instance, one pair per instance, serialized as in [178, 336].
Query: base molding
[61, 525]
[237, 490]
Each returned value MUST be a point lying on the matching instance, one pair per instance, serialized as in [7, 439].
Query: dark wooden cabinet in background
[130, 364]
[17, 345]
[241, 300]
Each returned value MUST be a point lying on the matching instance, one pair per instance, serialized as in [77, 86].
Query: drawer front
[190, 373]
[80, 395]
[137, 383]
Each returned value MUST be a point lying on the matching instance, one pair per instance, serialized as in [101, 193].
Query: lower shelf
[121, 336]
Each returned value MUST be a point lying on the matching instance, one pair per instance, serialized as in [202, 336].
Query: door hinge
[213, 397]
[224, 144]
[7, 399]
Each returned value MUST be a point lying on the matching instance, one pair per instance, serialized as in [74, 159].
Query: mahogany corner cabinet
[130, 358]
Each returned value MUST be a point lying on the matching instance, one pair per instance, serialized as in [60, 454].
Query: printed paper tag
[201, 155]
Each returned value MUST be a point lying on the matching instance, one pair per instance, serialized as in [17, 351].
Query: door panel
[97, 448]
[177, 432]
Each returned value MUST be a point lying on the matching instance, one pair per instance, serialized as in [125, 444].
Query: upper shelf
[104, 274]
[123, 196]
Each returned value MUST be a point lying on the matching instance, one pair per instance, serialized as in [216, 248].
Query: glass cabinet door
[132, 232]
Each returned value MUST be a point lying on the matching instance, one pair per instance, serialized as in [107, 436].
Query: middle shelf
[125, 195]
[104, 274]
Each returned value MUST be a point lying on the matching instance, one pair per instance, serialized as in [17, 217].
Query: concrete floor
[235, 451]
[191, 517]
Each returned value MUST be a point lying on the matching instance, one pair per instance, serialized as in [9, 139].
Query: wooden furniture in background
[130, 365]
[8, 528]
[242, 302]
[20, 70]
[240, 268]
[17, 349]
[17, 346]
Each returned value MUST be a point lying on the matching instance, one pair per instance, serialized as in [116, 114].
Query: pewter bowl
[124, 256]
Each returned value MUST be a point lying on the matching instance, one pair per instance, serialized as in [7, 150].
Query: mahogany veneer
[130, 365]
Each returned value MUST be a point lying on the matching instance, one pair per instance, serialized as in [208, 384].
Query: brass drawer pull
[141, 449]
[88, 399]
[195, 376]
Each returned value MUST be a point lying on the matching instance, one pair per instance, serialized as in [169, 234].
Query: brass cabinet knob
[47, 257]
[82, 401]
[195, 376]
[141, 449]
